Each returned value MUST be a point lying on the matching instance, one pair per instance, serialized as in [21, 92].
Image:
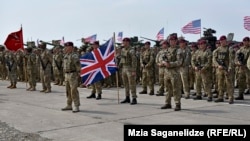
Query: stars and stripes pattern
[193, 27]
[160, 35]
[247, 23]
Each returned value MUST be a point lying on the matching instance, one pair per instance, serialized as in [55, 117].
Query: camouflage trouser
[248, 78]
[148, 79]
[129, 82]
[191, 77]
[185, 80]
[203, 80]
[58, 76]
[45, 79]
[3, 71]
[31, 75]
[228, 78]
[12, 77]
[20, 73]
[162, 85]
[97, 87]
[214, 78]
[71, 83]
[242, 75]
[172, 77]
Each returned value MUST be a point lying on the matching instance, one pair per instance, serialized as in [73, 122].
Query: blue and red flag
[90, 39]
[119, 36]
[98, 64]
[160, 35]
[193, 27]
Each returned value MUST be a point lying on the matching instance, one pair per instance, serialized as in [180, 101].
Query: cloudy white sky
[52, 19]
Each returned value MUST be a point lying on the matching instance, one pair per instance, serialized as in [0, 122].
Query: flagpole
[116, 73]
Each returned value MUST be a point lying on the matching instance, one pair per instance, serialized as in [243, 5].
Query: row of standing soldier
[202, 61]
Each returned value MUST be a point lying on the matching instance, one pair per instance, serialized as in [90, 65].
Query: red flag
[14, 41]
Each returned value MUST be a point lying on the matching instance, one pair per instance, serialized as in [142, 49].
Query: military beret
[218, 42]
[223, 37]
[69, 44]
[194, 45]
[147, 43]
[126, 39]
[96, 43]
[246, 39]
[202, 41]
[173, 37]
[182, 40]
[164, 42]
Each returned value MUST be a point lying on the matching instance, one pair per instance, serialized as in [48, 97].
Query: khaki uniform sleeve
[215, 56]
[76, 61]
[134, 60]
[209, 60]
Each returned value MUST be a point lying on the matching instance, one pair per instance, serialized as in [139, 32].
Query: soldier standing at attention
[159, 61]
[173, 62]
[243, 72]
[58, 66]
[147, 61]
[202, 63]
[72, 68]
[12, 69]
[184, 69]
[45, 60]
[97, 86]
[223, 59]
[128, 64]
[31, 69]
[3, 70]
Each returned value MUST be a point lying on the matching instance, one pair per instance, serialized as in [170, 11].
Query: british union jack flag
[98, 64]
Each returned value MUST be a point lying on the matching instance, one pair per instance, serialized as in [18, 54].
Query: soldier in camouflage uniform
[31, 69]
[11, 64]
[45, 60]
[194, 48]
[72, 68]
[184, 69]
[241, 61]
[173, 61]
[128, 65]
[58, 66]
[202, 64]
[19, 58]
[159, 61]
[97, 86]
[147, 61]
[223, 59]
[3, 70]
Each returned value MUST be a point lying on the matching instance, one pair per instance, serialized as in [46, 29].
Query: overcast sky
[52, 19]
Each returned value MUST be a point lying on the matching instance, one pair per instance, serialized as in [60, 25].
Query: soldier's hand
[220, 67]
[167, 64]
[133, 73]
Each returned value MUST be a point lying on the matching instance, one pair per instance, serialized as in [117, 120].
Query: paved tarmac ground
[103, 120]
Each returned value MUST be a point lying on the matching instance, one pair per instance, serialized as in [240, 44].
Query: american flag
[247, 23]
[119, 36]
[160, 35]
[62, 41]
[194, 27]
[91, 38]
[98, 64]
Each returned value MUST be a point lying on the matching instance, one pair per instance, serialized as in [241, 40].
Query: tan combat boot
[13, 86]
[43, 90]
[28, 89]
[48, 91]
[76, 109]
[10, 85]
[33, 89]
[68, 107]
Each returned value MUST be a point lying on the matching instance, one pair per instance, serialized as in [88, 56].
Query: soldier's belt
[70, 71]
